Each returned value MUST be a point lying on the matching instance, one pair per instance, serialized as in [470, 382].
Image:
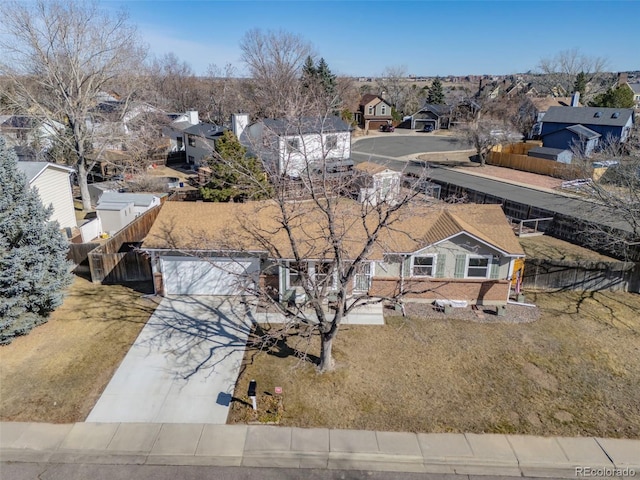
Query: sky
[425, 38]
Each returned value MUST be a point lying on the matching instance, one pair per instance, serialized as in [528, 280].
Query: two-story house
[373, 112]
[293, 146]
[565, 129]
[200, 142]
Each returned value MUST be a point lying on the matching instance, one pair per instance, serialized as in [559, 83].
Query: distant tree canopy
[435, 94]
[33, 265]
[580, 84]
[619, 97]
[235, 175]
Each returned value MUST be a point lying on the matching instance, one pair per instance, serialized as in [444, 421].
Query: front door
[362, 279]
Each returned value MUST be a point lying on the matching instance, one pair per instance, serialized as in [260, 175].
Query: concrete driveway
[183, 366]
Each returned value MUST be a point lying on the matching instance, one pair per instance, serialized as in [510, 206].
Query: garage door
[210, 276]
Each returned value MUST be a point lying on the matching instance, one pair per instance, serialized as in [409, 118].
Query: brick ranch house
[452, 252]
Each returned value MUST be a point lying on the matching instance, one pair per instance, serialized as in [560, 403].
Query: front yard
[575, 371]
[58, 371]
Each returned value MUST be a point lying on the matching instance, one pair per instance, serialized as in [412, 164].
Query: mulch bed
[480, 314]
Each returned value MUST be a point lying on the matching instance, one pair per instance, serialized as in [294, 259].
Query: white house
[292, 146]
[53, 184]
[116, 210]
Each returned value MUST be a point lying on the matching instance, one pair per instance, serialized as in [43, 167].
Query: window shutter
[461, 260]
[495, 268]
[440, 262]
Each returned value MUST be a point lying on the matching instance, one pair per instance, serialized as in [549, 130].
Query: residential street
[387, 154]
[81, 471]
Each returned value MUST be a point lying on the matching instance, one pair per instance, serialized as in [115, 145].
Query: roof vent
[598, 114]
[615, 115]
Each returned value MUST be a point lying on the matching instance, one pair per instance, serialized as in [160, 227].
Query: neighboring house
[292, 146]
[116, 210]
[572, 137]
[28, 131]
[53, 184]
[377, 183]
[175, 130]
[635, 88]
[437, 116]
[542, 104]
[373, 112]
[200, 142]
[458, 252]
[609, 123]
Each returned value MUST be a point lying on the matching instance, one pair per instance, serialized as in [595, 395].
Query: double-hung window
[478, 267]
[423, 266]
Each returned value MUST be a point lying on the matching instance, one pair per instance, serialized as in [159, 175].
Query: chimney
[623, 77]
[193, 117]
[575, 99]
[239, 122]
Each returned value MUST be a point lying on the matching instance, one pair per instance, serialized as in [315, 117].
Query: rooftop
[238, 226]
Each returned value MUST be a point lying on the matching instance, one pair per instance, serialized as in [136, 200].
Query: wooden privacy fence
[116, 261]
[514, 155]
[543, 274]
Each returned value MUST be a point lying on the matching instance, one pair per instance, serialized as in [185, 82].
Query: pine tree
[309, 73]
[580, 84]
[435, 95]
[326, 78]
[34, 271]
[619, 97]
[235, 175]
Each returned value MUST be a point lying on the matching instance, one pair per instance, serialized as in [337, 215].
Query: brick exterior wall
[481, 292]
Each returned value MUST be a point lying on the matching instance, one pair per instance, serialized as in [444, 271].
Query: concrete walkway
[183, 366]
[235, 445]
[362, 315]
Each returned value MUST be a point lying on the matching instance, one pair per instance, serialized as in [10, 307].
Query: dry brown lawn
[57, 372]
[575, 371]
[546, 247]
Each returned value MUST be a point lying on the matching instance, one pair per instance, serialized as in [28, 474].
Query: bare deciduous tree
[61, 56]
[561, 71]
[393, 86]
[274, 60]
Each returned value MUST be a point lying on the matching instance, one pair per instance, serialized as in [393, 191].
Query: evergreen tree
[326, 79]
[619, 97]
[580, 84]
[235, 175]
[435, 94]
[309, 73]
[33, 268]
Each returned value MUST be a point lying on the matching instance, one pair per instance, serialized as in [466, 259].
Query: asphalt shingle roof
[587, 115]
[226, 226]
[304, 125]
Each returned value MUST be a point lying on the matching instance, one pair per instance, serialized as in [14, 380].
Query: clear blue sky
[362, 38]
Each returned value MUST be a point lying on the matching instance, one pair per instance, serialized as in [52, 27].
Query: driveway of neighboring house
[183, 366]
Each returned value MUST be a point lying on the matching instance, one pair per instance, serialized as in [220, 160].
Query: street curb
[287, 447]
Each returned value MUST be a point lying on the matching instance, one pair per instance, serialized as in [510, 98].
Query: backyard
[57, 372]
[574, 371]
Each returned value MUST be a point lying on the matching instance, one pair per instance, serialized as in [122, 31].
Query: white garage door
[210, 276]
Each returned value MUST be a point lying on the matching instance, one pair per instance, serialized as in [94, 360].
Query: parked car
[427, 128]
[387, 128]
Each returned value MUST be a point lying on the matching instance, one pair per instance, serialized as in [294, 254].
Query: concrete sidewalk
[242, 445]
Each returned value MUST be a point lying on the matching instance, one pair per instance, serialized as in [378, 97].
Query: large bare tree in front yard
[61, 55]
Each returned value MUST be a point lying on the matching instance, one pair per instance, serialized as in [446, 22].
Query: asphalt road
[397, 145]
[79, 471]
[381, 150]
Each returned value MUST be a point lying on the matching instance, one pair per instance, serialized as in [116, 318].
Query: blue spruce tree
[34, 271]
